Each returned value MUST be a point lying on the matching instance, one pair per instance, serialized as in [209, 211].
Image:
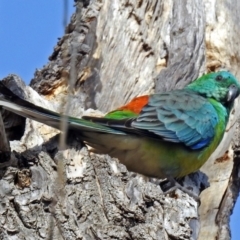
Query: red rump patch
[136, 104]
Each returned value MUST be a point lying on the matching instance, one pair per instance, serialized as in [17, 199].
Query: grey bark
[111, 52]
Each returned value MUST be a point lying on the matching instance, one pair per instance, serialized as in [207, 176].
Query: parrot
[164, 135]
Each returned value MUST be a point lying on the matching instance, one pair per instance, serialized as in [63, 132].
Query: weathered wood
[119, 50]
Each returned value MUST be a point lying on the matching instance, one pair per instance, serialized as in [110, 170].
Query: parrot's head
[222, 86]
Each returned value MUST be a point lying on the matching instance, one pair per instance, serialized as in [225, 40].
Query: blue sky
[235, 221]
[29, 31]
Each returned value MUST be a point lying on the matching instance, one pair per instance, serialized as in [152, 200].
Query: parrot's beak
[233, 93]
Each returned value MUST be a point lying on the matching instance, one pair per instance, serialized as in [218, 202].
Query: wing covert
[179, 116]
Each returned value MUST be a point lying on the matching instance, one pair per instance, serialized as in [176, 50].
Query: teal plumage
[162, 135]
[180, 117]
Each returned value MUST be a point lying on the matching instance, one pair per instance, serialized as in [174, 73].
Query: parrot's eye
[219, 77]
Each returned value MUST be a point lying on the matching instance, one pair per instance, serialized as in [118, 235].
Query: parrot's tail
[13, 103]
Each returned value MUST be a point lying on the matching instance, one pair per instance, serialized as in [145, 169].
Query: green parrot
[165, 135]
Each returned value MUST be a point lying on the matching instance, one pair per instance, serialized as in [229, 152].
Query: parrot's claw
[189, 192]
[176, 185]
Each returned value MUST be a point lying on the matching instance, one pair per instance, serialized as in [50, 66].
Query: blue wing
[179, 116]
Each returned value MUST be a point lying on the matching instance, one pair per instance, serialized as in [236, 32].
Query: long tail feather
[13, 103]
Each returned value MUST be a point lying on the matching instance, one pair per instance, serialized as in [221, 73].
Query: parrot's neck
[206, 92]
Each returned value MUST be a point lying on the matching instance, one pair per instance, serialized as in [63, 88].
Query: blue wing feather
[179, 116]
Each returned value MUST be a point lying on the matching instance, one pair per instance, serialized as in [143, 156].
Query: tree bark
[111, 52]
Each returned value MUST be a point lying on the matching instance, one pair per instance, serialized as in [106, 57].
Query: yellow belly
[151, 157]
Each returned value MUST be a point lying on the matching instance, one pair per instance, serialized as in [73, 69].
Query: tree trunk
[113, 51]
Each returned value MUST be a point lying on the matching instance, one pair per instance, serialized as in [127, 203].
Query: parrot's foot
[176, 185]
